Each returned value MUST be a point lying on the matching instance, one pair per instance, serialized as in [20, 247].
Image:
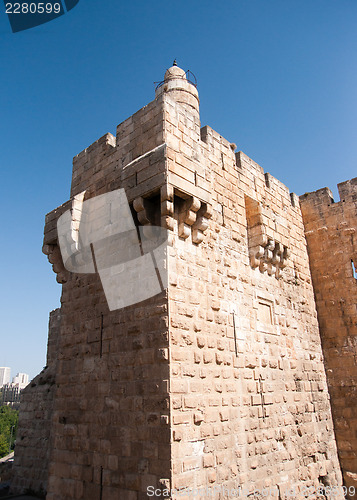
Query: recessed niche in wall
[265, 315]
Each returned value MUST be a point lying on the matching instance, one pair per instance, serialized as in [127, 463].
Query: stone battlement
[347, 191]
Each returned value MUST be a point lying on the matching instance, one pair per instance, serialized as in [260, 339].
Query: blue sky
[277, 77]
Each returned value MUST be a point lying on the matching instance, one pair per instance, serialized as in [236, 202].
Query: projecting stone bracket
[54, 256]
[167, 206]
[145, 209]
[193, 219]
[188, 216]
[201, 223]
[193, 214]
[50, 245]
[267, 253]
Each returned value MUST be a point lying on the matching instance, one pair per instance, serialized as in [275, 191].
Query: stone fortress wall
[218, 381]
[34, 438]
[331, 233]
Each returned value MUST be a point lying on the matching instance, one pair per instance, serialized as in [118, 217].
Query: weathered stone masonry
[34, 440]
[219, 381]
[331, 233]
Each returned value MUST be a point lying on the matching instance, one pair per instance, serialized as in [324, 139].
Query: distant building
[10, 395]
[5, 373]
[21, 380]
[10, 391]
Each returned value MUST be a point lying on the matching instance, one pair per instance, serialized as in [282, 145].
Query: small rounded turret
[179, 88]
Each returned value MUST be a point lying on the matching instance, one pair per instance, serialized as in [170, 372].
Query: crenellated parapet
[348, 190]
[322, 199]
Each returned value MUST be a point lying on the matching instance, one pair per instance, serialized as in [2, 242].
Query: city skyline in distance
[21, 379]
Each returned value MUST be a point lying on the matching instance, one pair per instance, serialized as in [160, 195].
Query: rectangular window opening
[354, 272]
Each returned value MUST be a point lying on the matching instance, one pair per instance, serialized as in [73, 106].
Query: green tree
[4, 446]
[8, 427]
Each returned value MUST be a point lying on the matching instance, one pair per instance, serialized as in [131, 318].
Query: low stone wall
[33, 443]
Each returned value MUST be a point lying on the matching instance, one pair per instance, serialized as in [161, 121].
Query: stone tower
[216, 383]
[331, 233]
